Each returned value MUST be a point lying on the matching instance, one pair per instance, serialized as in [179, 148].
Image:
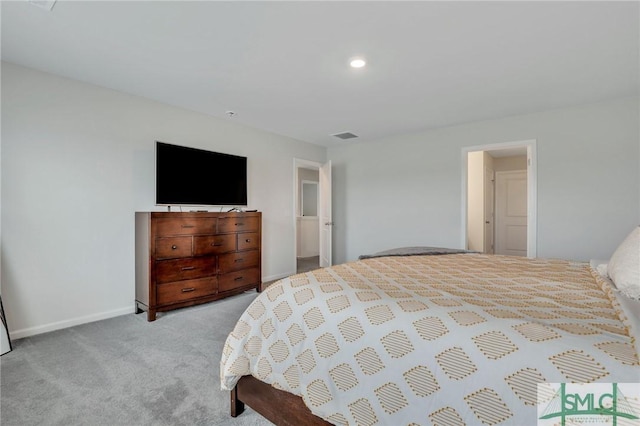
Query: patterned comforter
[452, 339]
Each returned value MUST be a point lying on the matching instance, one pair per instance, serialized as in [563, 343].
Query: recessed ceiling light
[357, 63]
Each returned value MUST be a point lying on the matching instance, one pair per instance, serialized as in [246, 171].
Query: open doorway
[499, 199]
[312, 215]
[307, 221]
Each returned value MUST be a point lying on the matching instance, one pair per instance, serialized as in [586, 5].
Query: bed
[452, 338]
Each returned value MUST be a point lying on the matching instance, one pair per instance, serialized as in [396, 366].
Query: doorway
[499, 199]
[511, 212]
[312, 215]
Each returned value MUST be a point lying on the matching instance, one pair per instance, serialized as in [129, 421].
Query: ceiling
[283, 66]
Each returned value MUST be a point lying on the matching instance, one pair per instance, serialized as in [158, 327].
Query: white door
[511, 213]
[488, 210]
[326, 223]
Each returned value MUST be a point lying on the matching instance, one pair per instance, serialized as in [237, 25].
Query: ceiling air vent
[345, 135]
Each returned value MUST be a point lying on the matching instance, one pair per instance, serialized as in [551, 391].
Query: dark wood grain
[186, 224]
[277, 406]
[173, 247]
[248, 241]
[236, 261]
[179, 291]
[237, 279]
[214, 244]
[185, 269]
[244, 223]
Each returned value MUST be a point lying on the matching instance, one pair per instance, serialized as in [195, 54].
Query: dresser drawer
[238, 279]
[248, 240]
[213, 244]
[235, 261]
[185, 226]
[173, 247]
[185, 290]
[185, 269]
[237, 224]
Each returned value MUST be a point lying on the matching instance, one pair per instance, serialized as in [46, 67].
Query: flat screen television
[197, 177]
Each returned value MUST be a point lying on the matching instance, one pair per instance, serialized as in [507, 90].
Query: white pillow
[624, 266]
[602, 270]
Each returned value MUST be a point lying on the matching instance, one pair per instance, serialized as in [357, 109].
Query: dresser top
[169, 215]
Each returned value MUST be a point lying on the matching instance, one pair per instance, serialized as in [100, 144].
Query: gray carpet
[306, 264]
[125, 371]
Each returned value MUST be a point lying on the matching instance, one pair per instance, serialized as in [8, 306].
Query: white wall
[507, 164]
[77, 162]
[406, 190]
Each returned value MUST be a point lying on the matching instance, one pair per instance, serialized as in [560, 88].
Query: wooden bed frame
[280, 407]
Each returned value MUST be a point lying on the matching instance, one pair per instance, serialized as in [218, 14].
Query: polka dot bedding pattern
[451, 339]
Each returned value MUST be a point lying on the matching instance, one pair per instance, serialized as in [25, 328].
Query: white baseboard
[32, 331]
[277, 277]
[307, 255]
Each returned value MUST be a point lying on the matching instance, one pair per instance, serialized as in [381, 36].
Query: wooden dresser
[183, 259]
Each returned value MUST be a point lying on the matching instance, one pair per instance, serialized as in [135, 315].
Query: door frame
[492, 202]
[325, 222]
[532, 186]
[299, 163]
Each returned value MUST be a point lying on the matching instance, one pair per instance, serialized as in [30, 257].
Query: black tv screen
[197, 177]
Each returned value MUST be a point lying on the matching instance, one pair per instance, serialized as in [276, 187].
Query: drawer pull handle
[188, 268]
[173, 247]
[238, 279]
[188, 226]
[216, 244]
[240, 224]
[187, 290]
[247, 240]
[239, 260]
